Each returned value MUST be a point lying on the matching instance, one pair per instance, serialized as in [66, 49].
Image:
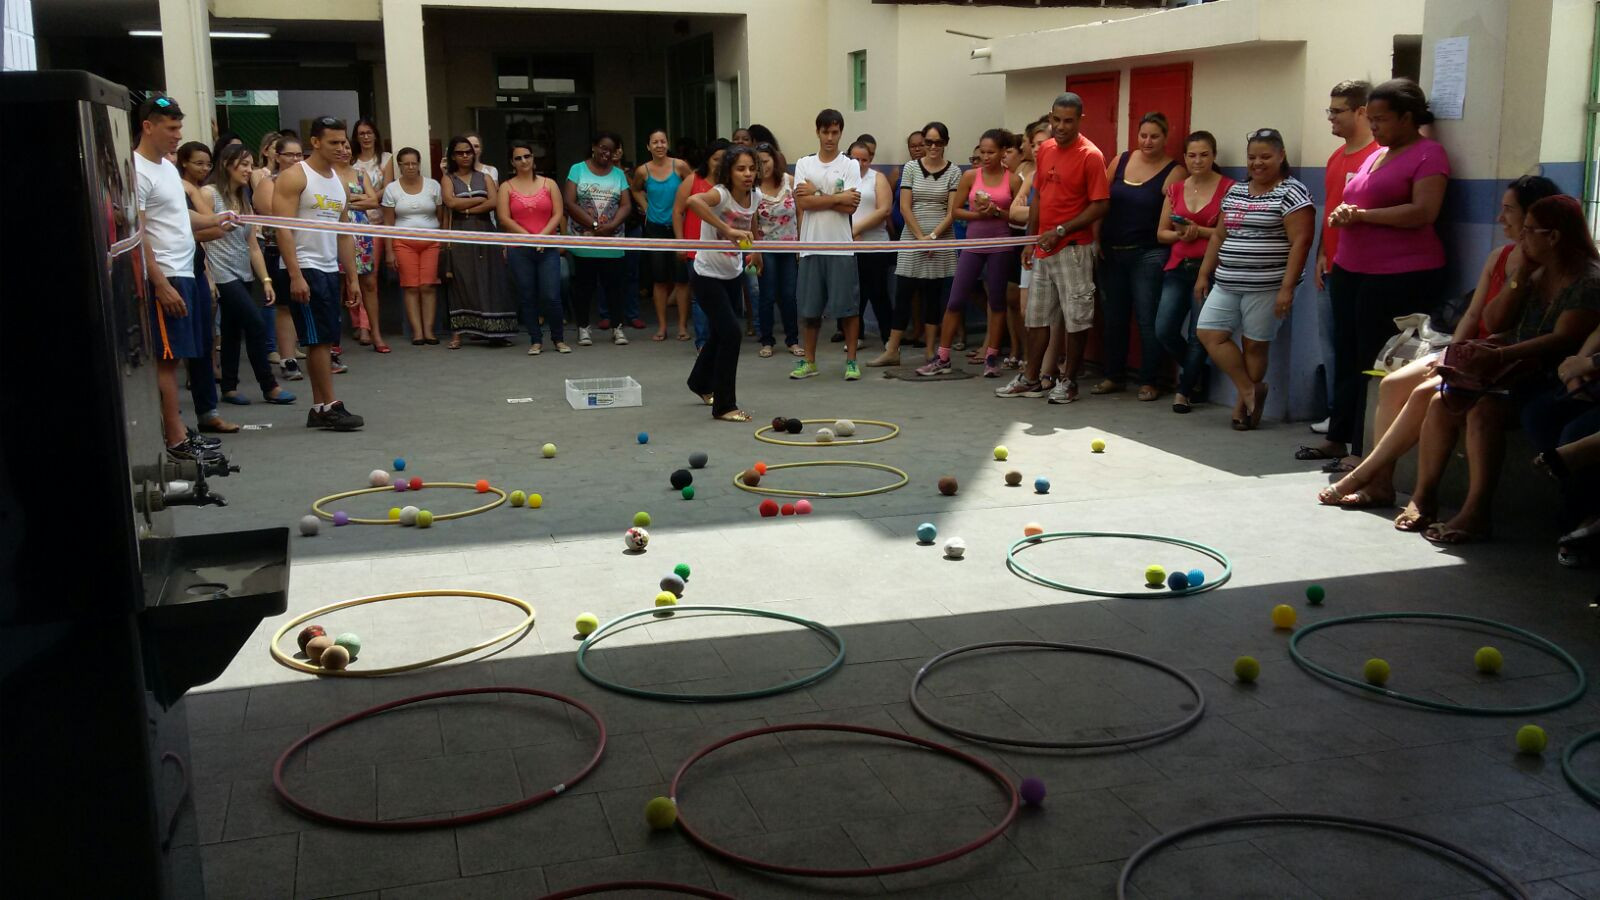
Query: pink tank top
[531, 211]
[1000, 195]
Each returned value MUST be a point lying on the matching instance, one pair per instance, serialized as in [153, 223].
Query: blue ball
[1196, 578]
[926, 532]
[644, 437]
[399, 463]
[1041, 485]
[1178, 581]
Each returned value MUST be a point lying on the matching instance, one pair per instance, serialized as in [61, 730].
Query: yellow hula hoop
[299, 666]
[780, 492]
[894, 430]
[322, 513]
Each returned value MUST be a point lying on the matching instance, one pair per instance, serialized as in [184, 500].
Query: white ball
[824, 435]
[636, 538]
[310, 525]
[378, 478]
[844, 427]
[408, 515]
[955, 547]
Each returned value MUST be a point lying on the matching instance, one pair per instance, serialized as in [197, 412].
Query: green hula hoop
[1210, 584]
[738, 480]
[1546, 645]
[813, 678]
[1590, 794]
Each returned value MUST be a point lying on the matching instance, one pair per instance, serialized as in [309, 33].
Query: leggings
[874, 270]
[935, 292]
[716, 368]
[241, 318]
[994, 269]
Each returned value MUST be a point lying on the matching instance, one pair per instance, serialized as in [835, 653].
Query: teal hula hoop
[1542, 643]
[1210, 584]
[823, 630]
[1589, 793]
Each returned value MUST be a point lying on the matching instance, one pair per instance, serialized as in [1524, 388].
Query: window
[858, 80]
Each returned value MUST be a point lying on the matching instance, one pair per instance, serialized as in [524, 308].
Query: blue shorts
[186, 337]
[1249, 313]
[317, 321]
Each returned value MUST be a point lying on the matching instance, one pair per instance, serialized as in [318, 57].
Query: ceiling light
[241, 35]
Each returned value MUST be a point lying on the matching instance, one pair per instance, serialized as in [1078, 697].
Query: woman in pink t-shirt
[1188, 217]
[1390, 259]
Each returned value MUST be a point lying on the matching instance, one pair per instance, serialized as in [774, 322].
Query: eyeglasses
[1264, 134]
[461, 152]
[1336, 110]
[287, 153]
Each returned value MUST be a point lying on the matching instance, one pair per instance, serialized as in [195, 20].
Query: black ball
[681, 479]
[793, 426]
[698, 459]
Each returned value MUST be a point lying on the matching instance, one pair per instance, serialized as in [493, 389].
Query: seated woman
[1371, 484]
[1549, 314]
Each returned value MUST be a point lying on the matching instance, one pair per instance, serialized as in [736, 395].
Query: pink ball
[341, 518]
[400, 486]
[802, 507]
[1032, 791]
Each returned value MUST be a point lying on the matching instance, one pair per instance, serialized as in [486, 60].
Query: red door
[1163, 89]
[1099, 92]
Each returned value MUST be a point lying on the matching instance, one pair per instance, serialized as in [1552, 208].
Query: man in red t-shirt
[1073, 194]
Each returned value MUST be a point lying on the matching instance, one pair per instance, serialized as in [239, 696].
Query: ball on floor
[378, 478]
[518, 498]
[955, 548]
[408, 515]
[1375, 671]
[535, 501]
[636, 538]
[793, 426]
[666, 598]
[787, 509]
[351, 642]
[424, 519]
[1032, 529]
[760, 467]
[802, 507]
[1488, 660]
[751, 477]
[698, 459]
[926, 532]
[310, 525]
[948, 486]
[416, 484]
[549, 451]
[1178, 581]
[587, 624]
[1196, 578]
[482, 486]
[394, 513]
[334, 658]
[779, 423]
[1315, 594]
[644, 437]
[844, 427]
[1097, 446]
[641, 519]
[1283, 616]
[1013, 478]
[681, 570]
[1155, 576]
[824, 435]
[673, 583]
[307, 633]
[1032, 791]
[681, 479]
[1531, 739]
[1000, 453]
[399, 463]
[1246, 669]
[661, 813]
[316, 647]
[400, 485]
[1041, 485]
[687, 492]
[341, 518]
[768, 508]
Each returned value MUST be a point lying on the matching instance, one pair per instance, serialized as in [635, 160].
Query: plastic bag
[1417, 338]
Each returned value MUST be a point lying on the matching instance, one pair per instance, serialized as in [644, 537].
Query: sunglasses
[462, 152]
[1334, 110]
[937, 143]
[522, 157]
[327, 121]
[1264, 134]
[162, 103]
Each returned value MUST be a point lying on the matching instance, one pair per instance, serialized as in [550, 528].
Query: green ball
[1376, 671]
[661, 813]
[587, 623]
[681, 570]
[641, 520]
[1315, 594]
[424, 519]
[1531, 739]
[1246, 669]
[349, 641]
[518, 498]
[1488, 660]
[549, 451]
[1155, 576]
[688, 492]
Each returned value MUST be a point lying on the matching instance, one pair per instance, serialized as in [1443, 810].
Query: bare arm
[447, 190]
[492, 194]
[1300, 225]
[285, 199]
[704, 206]
[1467, 328]
[1208, 265]
[880, 213]
[1427, 196]
[167, 296]
[619, 221]
[1166, 231]
[569, 199]
[636, 187]
[963, 189]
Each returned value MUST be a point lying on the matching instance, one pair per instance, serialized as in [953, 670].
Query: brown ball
[751, 477]
[1013, 478]
[779, 423]
[335, 658]
[948, 486]
[309, 632]
[316, 647]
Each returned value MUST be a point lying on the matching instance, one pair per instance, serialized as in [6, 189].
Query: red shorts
[418, 262]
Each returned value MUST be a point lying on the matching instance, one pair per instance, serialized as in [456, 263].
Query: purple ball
[400, 485]
[341, 518]
[1032, 791]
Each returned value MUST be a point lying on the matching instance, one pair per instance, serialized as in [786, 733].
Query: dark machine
[107, 617]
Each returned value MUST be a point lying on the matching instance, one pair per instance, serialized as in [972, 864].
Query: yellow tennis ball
[394, 513]
[666, 598]
[1097, 446]
[1488, 660]
[535, 501]
[518, 498]
[424, 518]
[1531, 739]
[549, 451]
[1283, 616]
[661, 813]
[587, 623]
[1246, 668]
[1376, 671]
[1000, 453]
[1155, 576]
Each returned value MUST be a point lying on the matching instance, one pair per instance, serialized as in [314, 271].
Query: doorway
[1099, 92]
[1163, 89]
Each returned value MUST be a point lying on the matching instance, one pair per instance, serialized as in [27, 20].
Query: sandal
[683, 335]
[455, 343]
[433, 341]
[1341, 465]
[1360, 499]
[418, 342]
[535, 349]
[561, 347]
[799, 351]
[1181, 405]
[737, 415]
[1412, 519]
[766, 351]
[382, 348]
[1548, 462]
[659, 336]
[1148, 393]
[364, 337]
[1108, 387]
[1307, 454]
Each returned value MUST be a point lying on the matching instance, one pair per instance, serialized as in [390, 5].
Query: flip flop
[683, 335]
[765, 353]
[1361, 499]
[658, 337]
[1341, 465]
[382, 348]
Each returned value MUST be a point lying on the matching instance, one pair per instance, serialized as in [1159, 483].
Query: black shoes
[334, 418]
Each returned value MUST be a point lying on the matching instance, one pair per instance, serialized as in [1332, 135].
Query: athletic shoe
[200, 440]
[291, 371]
[605, 324]
[852, 372]
[334, 417]
[804, 369]
[636, 323]
[584, 339]
[1065, 391]
[189, 449]
[1320, 427]
[934, 366]
[991, 367]
[617, 337]
[336, 364]
[1020, 386]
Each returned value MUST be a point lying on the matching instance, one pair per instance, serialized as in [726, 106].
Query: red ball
[416, 482]
[760, 467]
[788, 509]
[309, 632]
[769, 508]
[483, 485]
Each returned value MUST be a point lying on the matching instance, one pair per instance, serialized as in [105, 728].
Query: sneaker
[617, 337]
[334, 417]
[991, 367]
[1320, 427]
[804, 369]
[1065, 391]
[1020, 386]
[198, 439]
[852, 372]
[189, 449]
[605, 324]
[636, 323]
[934, 366]
[336, 363]
[584, 339]
[291, 371]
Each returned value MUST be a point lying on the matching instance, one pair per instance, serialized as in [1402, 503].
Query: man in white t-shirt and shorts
[827, 189]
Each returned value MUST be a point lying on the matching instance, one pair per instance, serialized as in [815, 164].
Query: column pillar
[186, 56]
[405, 75]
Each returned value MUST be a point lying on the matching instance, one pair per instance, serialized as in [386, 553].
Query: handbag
[1469, 369]
[1417, 338]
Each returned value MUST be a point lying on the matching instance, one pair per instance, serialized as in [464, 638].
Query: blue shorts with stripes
[317, 321]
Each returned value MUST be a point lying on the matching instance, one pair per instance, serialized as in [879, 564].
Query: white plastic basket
[604, 393]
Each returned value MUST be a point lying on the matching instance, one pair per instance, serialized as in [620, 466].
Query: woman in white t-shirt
[412, 201]
[730, 208]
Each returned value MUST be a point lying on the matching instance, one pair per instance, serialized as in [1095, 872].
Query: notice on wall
[1448, 98]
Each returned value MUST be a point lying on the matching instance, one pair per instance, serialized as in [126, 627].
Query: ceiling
[67, 19]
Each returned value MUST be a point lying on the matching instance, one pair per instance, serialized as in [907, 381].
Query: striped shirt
[930, 203]
[229, 255]
[1255, 249]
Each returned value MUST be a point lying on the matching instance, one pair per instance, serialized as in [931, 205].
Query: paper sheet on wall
[1448, 98]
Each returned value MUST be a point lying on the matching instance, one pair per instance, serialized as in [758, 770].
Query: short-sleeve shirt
[1342, 167]
[1068, 180]
[1540, 319]
[834, 177]
[1385, 249]
[930, 203]
[600, 196]
[419, 210]
[775, 213]
[1255, 250]
[166, 216]
[719, 263]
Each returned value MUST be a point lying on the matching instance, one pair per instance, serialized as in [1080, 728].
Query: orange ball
[1032, 529]
[760, 467]
[483, 485]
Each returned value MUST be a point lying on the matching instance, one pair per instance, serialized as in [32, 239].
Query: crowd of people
[1194, 269]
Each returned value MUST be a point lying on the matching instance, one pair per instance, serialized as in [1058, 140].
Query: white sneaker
[583, 337]
[1320, 427]
[617, 337]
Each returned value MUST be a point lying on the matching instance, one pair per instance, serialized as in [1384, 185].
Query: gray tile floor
[1289, 742]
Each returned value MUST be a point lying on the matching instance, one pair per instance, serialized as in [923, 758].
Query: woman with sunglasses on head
[655, 189]
[928, 200]
[531, 204]
[1254, 261]
[413, 201]
[480, 307]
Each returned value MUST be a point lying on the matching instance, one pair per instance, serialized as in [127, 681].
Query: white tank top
[323, 198]
[869, 205]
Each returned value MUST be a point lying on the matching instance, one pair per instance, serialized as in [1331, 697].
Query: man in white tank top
[314, 259]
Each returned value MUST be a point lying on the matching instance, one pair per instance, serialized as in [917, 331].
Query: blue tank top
[660, 195]
[1131, 220]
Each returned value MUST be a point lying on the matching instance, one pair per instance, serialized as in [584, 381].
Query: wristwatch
[1061, 231]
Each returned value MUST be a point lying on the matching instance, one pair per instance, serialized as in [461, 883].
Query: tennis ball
[688, 492]
[1246, 669]
[644, 437]
[340, 517]
[351, 642]
[587, 623]
[1000, 453]
[661, 813]
[518, 498]
[681, 479]
[1032, 529]
[681, 570]
[408, 515]
[1315, 594]
[641, 519]
[1283, 616]
[636, 539]
[1488, 660]
[315, 648]
[948, 486]
[666, 598]
[1531, 739]
[424, 519]
[535, 501]
[549, 451]
[1155, 576]
[698, 459]
[416, 484]
[802, 507]
[334, 658]
[1376, 671]
[926, 532]
[378, 478]
[307, 633]
[1178, 581]
[1032, 791]
[399, 463]
[394, 513]
[1097, 446]
[1013, 478]
[310, 525]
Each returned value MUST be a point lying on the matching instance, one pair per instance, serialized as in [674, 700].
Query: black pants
[1364, 310]
[591, 272]
[241, 318]
[934, 293]
[716, 369]
[876, 271]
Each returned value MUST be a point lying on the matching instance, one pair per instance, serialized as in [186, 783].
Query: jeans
[876, 271]
[1364, 309]
[536, 277]
[590, 273]
[716, 368]
[1130, 287]
[241, 318]
[1177, 309]
[779, 275]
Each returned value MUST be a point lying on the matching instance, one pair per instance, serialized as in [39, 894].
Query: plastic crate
[604, 393]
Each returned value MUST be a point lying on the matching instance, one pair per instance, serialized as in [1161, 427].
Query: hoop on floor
[309, 669]
[970, 760]
[441, 821]
[1161, 733]
[1542, 643]
[894, 431]
[607, 887]
[1210, 584]
[1588, 792]
[316, 507]
[1484, 868]
[781, 492]
[795, 684]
